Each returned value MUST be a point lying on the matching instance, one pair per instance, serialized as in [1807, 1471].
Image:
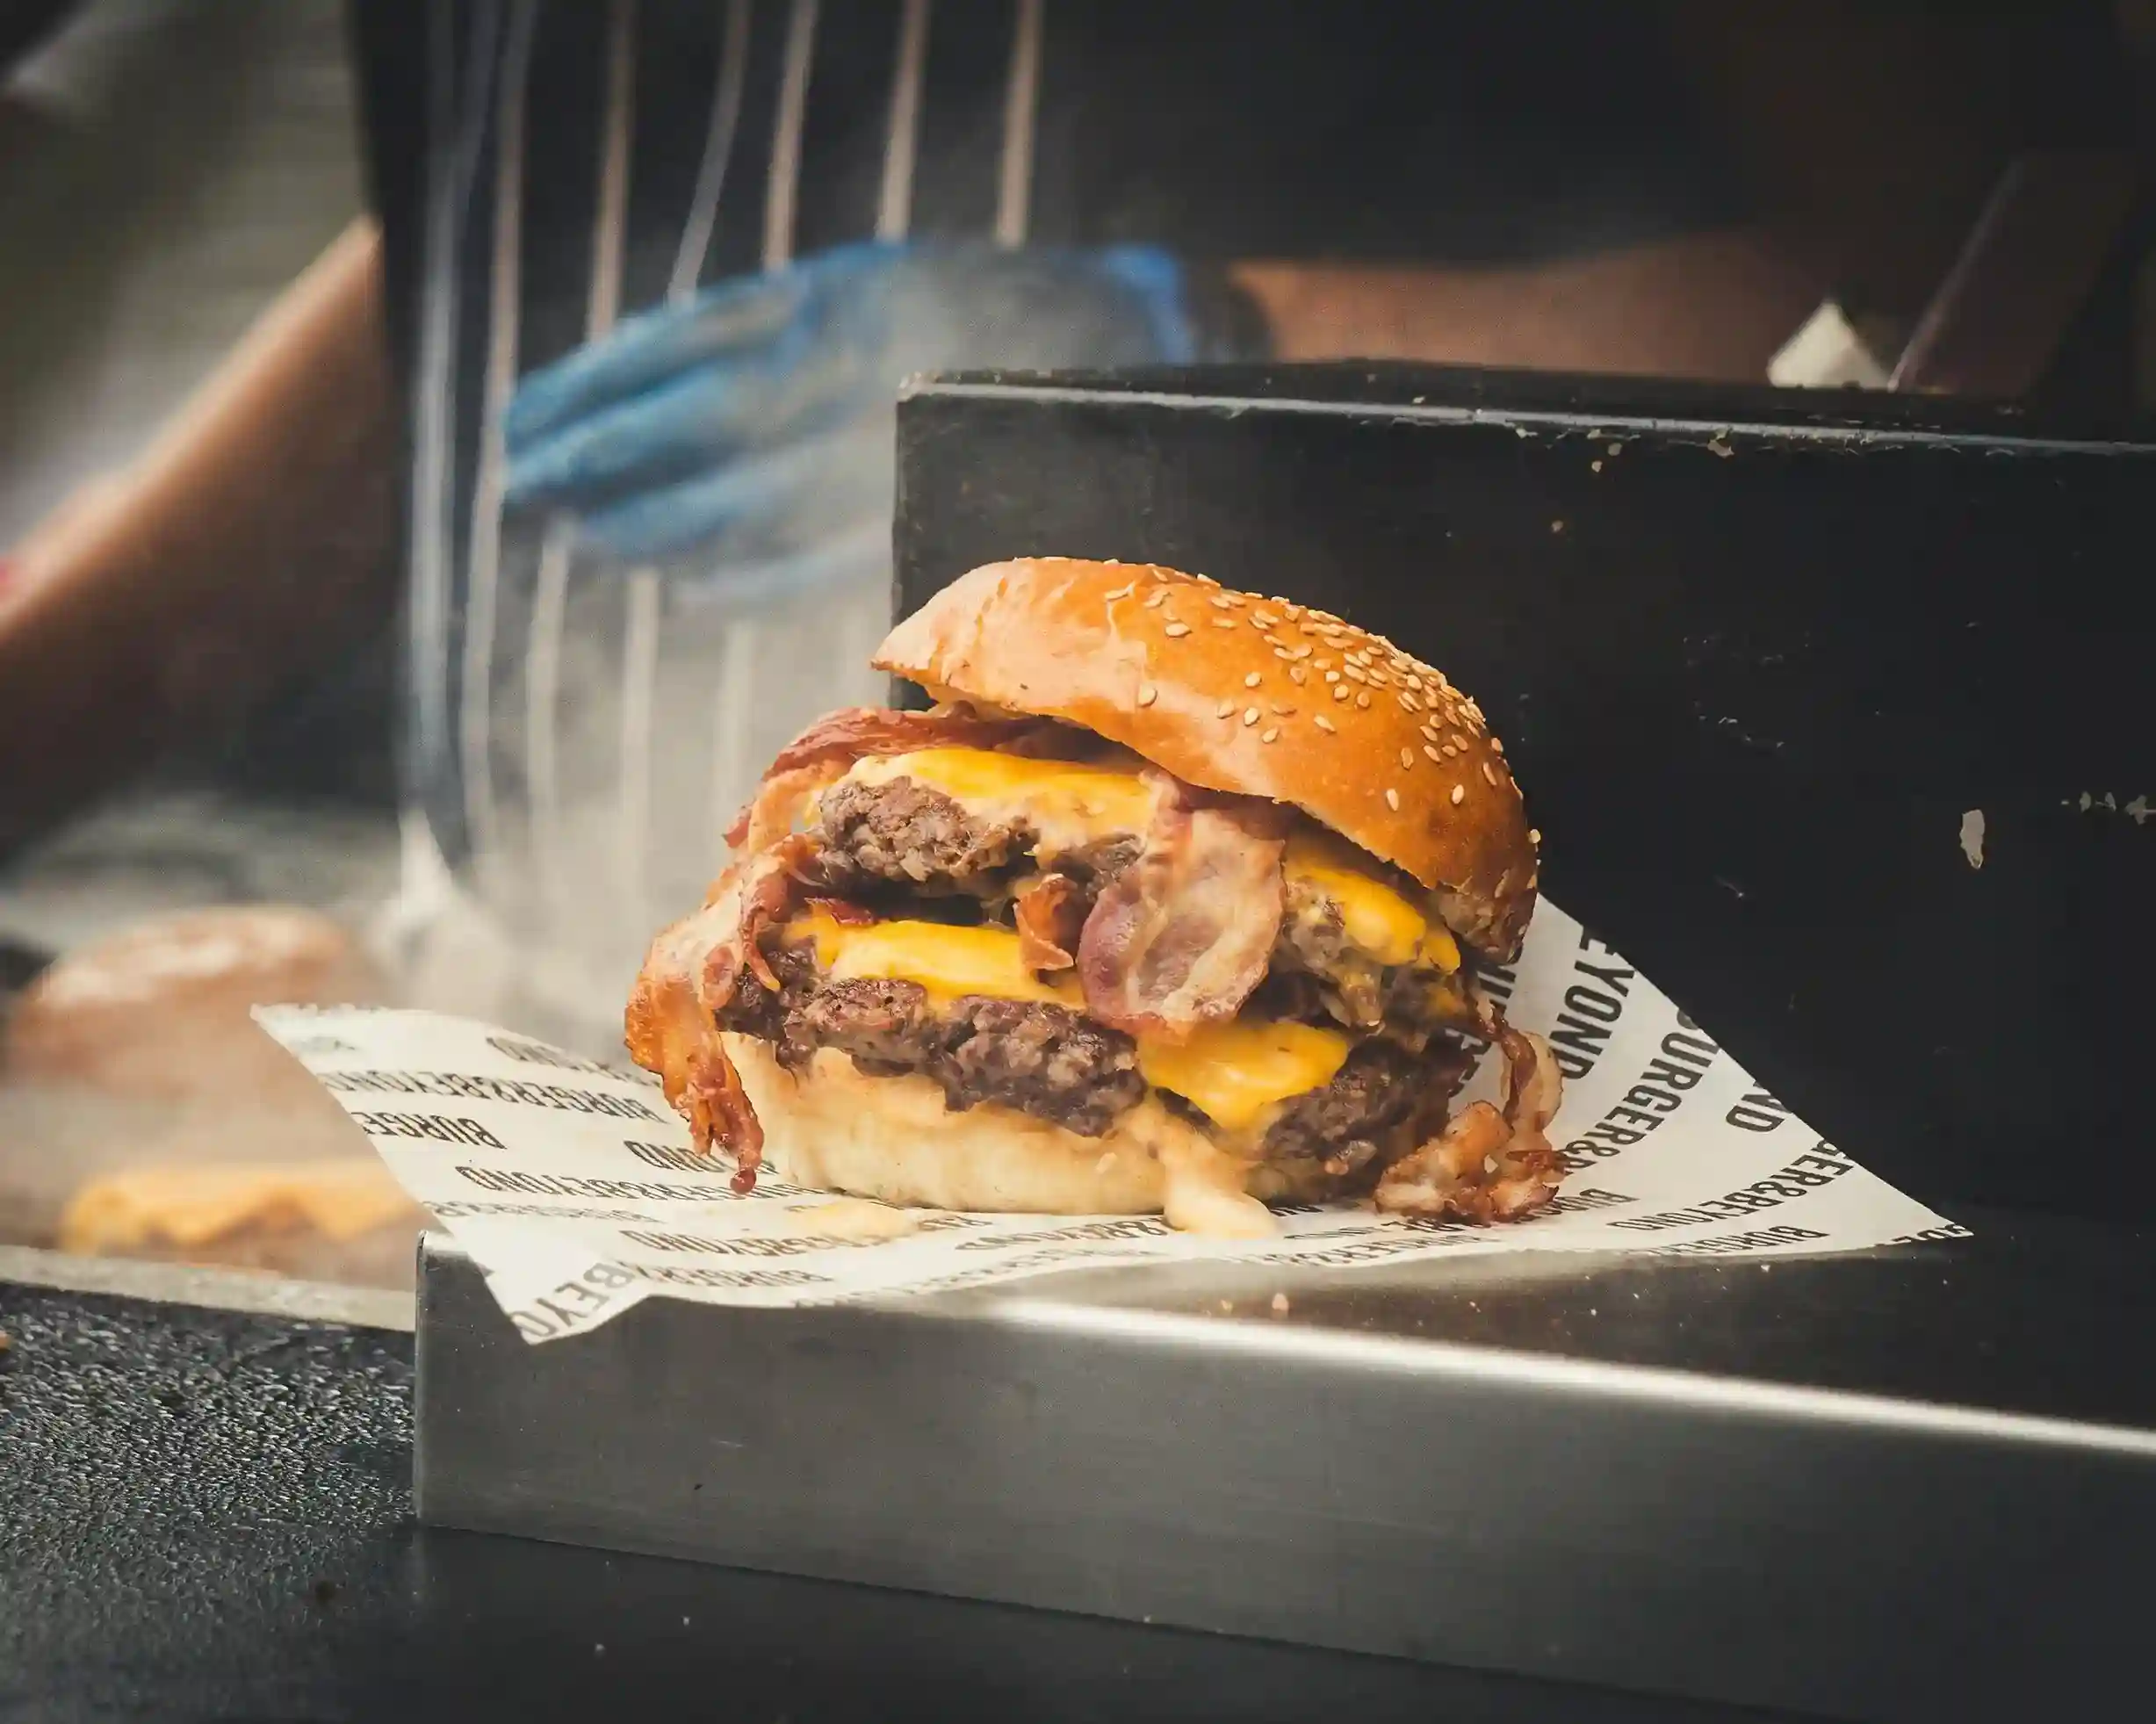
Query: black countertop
[208, 1513]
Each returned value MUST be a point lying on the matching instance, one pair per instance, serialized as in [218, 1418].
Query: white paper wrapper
[574, 1185]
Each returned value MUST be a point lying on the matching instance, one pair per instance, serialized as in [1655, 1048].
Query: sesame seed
[1253, 680]
[1269, 733]
[1408, 703]
[1354, 674]
[1433, 753]
[1175, 630]
[1495, 746]
[1325, 723]
[1490, 774]
[1218, 601]
[1331, 675]
[1459, 794]
[1379, 680]
[1534, 838]
[1301, 652]
[1249, 715]
[1341, 693]
[1407, 760]
[1223, 709]
[1297, 674]
[1123, 592]
[1158, 597]
[1234, 601]
[1223, 622]
[1392, 798]
[1282, 708]
[1362, 699]
[1459, 741]
[1147, 694]
[1260, 619]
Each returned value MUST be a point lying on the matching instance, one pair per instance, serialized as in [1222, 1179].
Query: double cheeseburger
[1171, 904]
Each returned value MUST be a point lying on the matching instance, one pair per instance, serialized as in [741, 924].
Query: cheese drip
[1233, 1072]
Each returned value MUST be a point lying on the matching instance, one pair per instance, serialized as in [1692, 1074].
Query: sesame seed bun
[1251, 695]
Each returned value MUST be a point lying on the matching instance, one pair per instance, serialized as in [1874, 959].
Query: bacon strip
[770, 815]
[1181, 936]
[823, 752]
[1487, 1163]
[1046, 909]
[693, 971]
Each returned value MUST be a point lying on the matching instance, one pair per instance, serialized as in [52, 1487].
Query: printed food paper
[573, 1186]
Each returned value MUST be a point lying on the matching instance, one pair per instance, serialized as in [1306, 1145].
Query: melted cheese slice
[1068, 805]
[947, 961]
[1377, 915]
[1071, 807]
[1234, 1072]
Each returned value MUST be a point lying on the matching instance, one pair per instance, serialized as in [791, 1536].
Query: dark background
[1754, 655]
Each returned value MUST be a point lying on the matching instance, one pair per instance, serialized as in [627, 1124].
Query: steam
[757, 635]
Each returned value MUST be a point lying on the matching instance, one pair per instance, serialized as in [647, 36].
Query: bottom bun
[837, 1129]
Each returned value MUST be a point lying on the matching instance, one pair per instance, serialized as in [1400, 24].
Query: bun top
[1251, 695]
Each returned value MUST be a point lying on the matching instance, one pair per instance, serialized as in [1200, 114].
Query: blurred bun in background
[143, 1113]
[160, 1010]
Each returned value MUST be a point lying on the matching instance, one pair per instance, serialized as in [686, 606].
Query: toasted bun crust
[1253, 696]
[837, 1129]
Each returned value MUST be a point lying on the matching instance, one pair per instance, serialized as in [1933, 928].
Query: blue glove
[755, 421]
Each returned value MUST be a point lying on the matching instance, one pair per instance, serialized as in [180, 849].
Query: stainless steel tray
[1913, 1483]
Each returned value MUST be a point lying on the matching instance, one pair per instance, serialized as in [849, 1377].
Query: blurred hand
[754, 422]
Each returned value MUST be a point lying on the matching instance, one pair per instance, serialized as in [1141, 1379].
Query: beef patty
[1059, 1065]
[901, 834]
[1379, 1103]
[1045, 1060]
[908, 834]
